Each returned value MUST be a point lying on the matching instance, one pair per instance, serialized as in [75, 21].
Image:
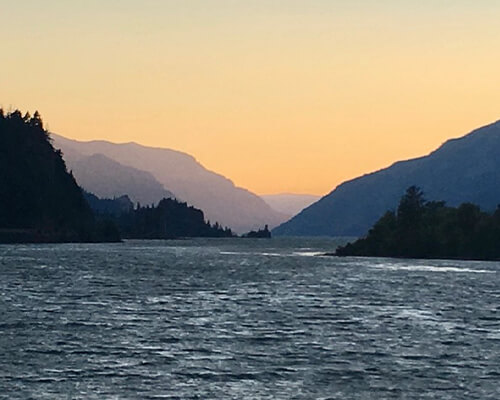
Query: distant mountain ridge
[107, 178]
[290, 203]
[180, 173]
[466, 169]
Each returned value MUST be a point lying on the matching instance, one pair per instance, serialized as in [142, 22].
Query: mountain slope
[107, 178]
[39, 200]
[216, 195]
[461, 170]
[289, 203]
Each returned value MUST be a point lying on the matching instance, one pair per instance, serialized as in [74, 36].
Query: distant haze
[290, 203]
[179, 173]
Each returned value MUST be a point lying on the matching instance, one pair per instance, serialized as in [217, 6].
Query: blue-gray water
[244, 319]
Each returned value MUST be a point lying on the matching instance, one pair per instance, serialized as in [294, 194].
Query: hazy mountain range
[164, 170]
[107, 178]
[461, 170]
[289, 203]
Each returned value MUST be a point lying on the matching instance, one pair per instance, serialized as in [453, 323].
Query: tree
[36, 121]
[411, 203]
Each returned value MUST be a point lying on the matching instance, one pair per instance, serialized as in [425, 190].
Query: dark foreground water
[244, 319]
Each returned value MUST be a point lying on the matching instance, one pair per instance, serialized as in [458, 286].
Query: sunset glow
[279, 96]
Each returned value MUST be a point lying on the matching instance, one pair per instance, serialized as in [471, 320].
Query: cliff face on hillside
[216, 195]
[461, 170]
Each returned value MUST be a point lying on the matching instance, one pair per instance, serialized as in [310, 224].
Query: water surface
[244, 319]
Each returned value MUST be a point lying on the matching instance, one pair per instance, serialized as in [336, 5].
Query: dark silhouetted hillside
[169, 219]
[39, 200]
[464, 170]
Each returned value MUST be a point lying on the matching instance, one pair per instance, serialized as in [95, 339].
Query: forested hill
[39, 200]
[168, 219]
[430, 229]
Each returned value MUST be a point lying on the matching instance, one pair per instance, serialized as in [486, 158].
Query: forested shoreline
[41, 202]
[169, 219]
[430, 229]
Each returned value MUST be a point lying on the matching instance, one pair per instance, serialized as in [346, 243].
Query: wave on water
[238, 319]
[308, 253]
[274, 254]
[431, 268]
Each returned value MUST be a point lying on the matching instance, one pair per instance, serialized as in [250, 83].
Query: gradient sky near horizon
[277, 95]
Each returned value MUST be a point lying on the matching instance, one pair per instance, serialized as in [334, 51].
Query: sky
[277, 95]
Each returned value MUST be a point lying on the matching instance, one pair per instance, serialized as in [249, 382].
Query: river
[244, 319]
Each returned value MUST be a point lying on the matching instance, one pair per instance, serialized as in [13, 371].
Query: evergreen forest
[169, 219]
[430, 229]
[39, 200]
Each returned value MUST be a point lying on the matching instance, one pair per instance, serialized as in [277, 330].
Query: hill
[462, 170]
[107, 178]
[220, 199]
[169, 219]
[39, 200]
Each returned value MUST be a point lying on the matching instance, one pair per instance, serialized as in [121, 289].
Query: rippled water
[244, 319]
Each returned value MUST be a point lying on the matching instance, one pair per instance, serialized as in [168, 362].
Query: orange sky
[277, 95]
